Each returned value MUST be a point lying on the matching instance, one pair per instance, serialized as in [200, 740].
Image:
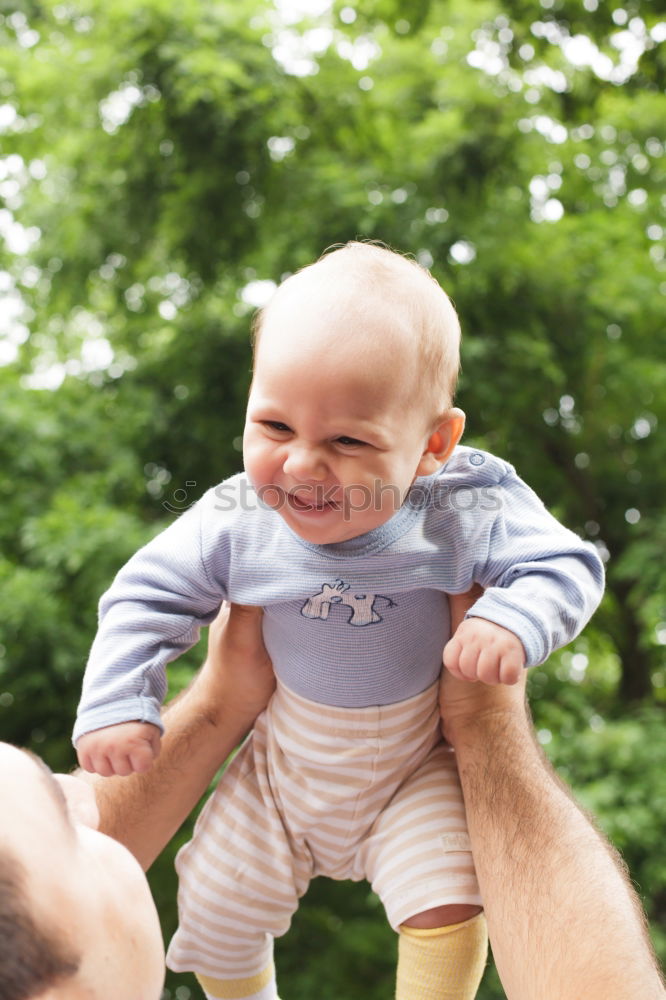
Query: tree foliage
[161, 162]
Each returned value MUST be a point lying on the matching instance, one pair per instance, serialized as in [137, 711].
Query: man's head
[356, 359]
[77, 921]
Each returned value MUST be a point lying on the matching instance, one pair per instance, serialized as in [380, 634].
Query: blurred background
[163, 165]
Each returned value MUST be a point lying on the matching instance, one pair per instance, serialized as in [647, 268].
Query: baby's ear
[441, 442]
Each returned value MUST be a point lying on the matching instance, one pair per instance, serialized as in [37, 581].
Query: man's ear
[441, 442]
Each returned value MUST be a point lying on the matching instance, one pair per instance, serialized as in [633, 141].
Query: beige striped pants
[317, 790]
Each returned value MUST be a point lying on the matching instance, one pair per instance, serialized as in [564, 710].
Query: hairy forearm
[144, 811]
[564, 922]
[203, 725]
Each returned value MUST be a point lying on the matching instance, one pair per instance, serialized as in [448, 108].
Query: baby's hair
[366, 267]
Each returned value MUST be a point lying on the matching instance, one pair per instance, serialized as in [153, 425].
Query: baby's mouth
[315, 503]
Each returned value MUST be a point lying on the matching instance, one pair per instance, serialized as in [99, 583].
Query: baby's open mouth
[312, 503]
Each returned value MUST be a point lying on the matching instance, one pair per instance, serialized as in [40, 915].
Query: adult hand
[237, 676]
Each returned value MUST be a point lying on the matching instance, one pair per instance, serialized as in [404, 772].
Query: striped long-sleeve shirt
[362, 622]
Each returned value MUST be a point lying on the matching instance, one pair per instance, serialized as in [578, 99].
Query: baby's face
[334, 434]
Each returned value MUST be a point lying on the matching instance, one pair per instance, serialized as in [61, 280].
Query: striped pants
[316, 790]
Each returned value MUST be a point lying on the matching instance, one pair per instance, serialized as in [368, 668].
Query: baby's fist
[123, 749]
[480, 650]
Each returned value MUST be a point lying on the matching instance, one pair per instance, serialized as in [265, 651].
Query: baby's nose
[305, 463]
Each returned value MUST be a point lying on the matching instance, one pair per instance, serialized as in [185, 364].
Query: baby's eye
[277, 425]
[349, 442]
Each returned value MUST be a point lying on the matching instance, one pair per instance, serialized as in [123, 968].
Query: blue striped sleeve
[543, 582]
[151, 614]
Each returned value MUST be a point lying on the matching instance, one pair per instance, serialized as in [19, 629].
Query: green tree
[160, 162]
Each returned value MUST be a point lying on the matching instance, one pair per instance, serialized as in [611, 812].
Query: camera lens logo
[180, 499]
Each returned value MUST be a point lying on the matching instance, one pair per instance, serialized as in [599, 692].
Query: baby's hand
[122, 749]
[480, 650]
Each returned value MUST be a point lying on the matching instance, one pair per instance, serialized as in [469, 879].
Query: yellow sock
[445, 963]
[261, 986]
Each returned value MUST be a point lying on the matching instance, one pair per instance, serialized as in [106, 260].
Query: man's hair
[32, 956]
[365, 267]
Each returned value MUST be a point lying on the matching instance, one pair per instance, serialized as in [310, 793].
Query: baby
[356, 515]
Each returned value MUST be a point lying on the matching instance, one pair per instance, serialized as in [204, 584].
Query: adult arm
[563, 919]
[203, 725]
